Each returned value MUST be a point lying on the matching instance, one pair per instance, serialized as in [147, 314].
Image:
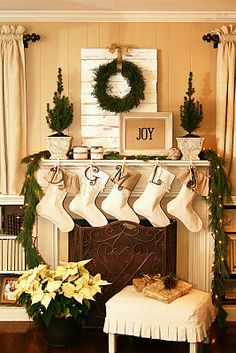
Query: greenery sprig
[132, 73]
[117, 156]
[32, 193]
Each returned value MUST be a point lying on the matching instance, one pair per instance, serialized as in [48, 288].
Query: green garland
[135, 80]
[32, 193]
[219, 191]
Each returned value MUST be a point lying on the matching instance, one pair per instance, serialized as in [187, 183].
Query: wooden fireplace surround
[121, 251]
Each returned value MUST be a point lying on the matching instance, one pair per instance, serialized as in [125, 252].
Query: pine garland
[32, 193]
[219, 192]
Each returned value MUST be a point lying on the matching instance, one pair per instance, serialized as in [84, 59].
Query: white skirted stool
[187, 318]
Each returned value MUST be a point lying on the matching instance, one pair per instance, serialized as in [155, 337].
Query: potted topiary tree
[58, 119]
[190, 118]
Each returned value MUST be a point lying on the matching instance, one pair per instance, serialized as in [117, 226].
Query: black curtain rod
[30, 37]
[212, 38]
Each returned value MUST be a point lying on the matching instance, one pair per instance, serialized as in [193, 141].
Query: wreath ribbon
[121, 50]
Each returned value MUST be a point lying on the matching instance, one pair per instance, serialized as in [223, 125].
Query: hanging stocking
[51, 205]
[116, 203]
[182, 206]
[148, 204]
[84, 203]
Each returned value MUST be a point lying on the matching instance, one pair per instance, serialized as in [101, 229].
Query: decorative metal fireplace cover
[121, 251]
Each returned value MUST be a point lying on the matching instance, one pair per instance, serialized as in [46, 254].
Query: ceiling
[116, 11]
[121, 5]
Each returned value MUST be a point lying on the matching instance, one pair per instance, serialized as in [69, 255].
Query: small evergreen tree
[61, 116]
[191, 111]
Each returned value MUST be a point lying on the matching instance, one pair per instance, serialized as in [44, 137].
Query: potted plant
[190, 118]
[58, 299]
[58, 119]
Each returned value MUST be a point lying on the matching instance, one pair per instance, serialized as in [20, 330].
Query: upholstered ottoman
[185, 319]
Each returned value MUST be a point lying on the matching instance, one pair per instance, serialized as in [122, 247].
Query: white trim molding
[118, 16]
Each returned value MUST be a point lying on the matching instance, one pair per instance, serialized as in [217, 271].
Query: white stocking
[116, 205]
[148, 204]
[51, 208]
[181, 208]
[84, 202]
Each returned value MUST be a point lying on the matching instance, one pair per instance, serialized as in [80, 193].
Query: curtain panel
[13, 121]
[225, 100]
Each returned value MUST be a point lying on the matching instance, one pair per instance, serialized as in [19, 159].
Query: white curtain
[12, 108]
[226, 100]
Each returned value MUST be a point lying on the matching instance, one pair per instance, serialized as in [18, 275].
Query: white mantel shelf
[143, 167]
[132, 162]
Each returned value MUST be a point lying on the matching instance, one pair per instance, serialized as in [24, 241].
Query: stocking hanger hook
[123, 164]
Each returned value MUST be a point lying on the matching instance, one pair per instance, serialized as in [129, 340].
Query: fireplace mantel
[194, 250]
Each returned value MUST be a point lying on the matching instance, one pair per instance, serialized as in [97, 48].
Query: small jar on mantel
[80, 152]
[96, 152]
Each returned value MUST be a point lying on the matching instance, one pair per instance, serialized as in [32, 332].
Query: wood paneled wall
[180, 49]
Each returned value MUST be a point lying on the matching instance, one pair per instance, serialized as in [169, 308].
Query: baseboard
[13, 313]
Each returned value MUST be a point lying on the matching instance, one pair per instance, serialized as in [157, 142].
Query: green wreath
[135, 80]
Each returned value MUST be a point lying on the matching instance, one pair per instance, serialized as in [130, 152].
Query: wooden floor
[22, 337]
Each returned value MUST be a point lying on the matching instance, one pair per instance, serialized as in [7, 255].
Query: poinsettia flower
[37, 297]
[45, 301]
[78, 297]
[53, 286]
[98, 281]
[68, 290]
[72, 278]
[87, 293]
[83, 280]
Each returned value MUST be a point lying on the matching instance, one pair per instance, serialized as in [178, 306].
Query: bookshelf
[12, 256]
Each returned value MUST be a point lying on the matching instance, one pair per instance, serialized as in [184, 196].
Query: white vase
[190, 147]
[59, 146]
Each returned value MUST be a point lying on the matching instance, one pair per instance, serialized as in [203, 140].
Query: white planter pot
[190, 147]
[59, 146]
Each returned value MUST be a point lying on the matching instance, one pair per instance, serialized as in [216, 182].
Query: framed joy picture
[146, 133]
[7, 287]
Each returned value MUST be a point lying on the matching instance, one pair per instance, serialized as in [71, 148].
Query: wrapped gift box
[157, 291]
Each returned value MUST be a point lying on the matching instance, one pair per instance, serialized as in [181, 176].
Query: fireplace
[195, 251]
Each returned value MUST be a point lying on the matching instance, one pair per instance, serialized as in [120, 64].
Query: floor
[22, 337]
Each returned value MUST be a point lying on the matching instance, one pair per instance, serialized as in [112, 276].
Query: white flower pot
[190, 147]
[59, 146]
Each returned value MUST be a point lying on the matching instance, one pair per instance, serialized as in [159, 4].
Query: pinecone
[169, 282]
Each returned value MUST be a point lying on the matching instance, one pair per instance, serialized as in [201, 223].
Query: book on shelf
[16, 257]
[1, 255]
[9, 254]
[4, 254]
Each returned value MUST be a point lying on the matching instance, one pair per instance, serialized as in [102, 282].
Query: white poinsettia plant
[66, 291]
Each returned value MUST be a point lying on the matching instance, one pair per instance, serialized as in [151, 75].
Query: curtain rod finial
[211, 37]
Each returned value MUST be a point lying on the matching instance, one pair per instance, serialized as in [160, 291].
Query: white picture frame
[146, 133]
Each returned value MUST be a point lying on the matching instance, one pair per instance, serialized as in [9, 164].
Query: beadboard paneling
[180, 49]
